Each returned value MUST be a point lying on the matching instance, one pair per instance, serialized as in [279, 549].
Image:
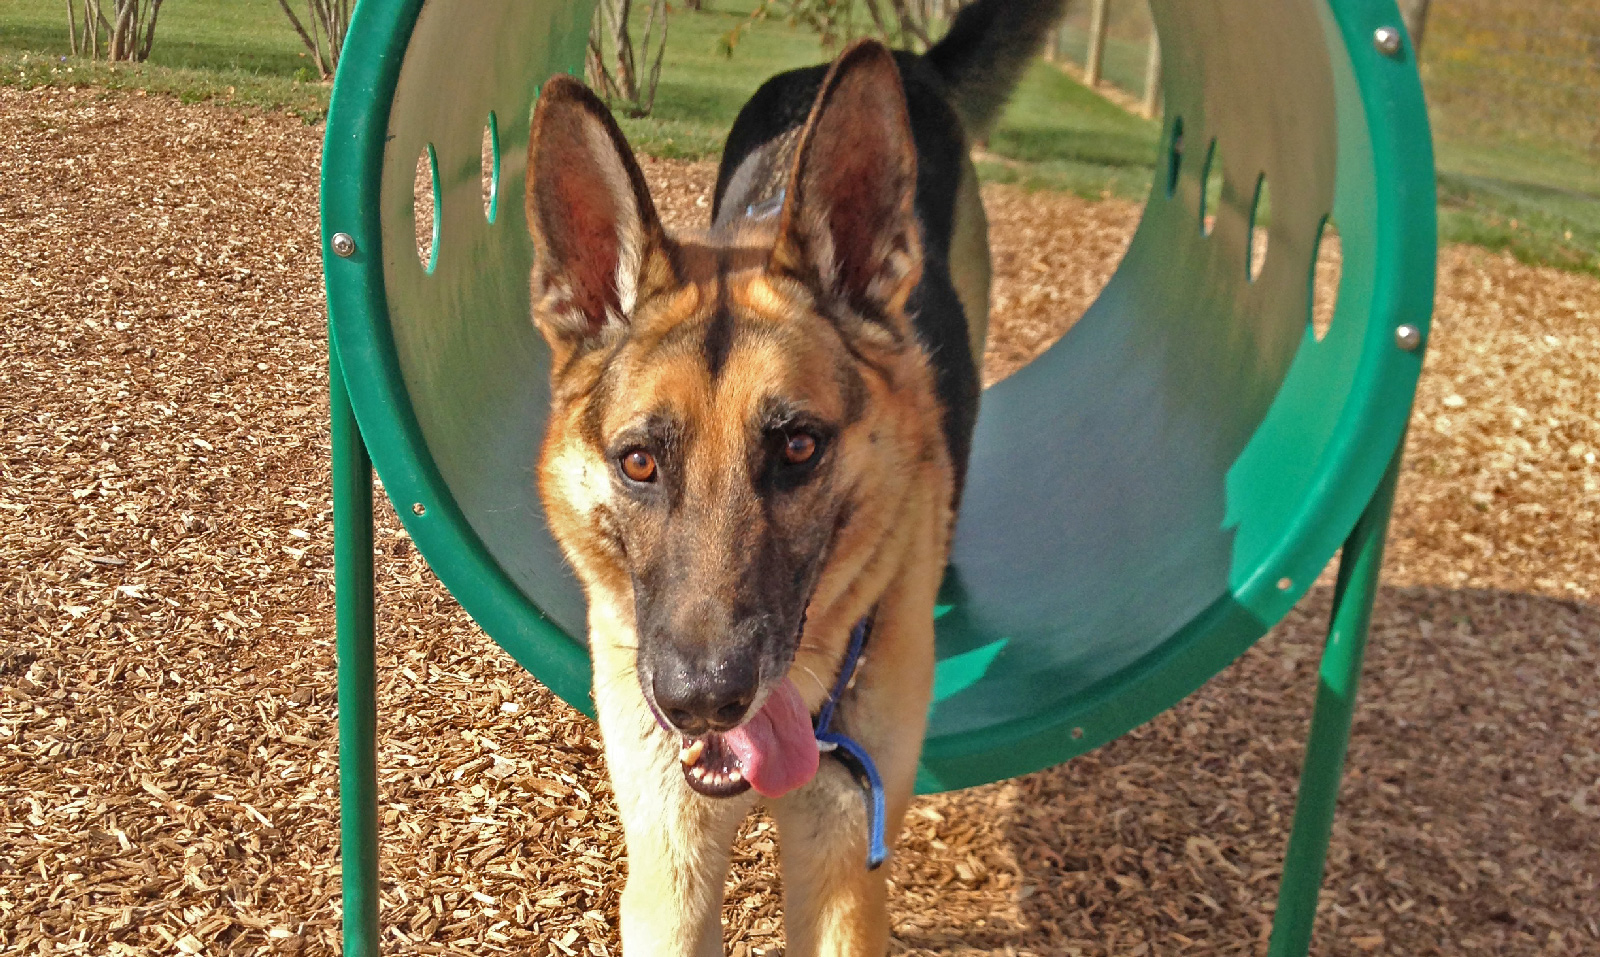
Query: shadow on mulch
[1172, 837]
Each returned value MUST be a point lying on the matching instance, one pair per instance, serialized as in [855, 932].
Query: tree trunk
[93, 29]
[116, 49]
[910, 26]
[72, 26]
[127, 36]
[329, 21]
[1415, 15]
[623, 68]
[649, 41]
[150, 31]
[878, 21]
[316, 38]
[1152, 78]
[1098, 20]
[627, 75]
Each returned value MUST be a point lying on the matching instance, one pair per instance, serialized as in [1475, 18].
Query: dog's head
[734, 418]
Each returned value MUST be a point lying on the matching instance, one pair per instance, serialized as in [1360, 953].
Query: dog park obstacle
[1145, 500]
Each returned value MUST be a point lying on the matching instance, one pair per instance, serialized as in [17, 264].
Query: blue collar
[850, 753]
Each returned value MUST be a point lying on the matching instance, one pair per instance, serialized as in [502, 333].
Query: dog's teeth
[734, 776]
[691, 752]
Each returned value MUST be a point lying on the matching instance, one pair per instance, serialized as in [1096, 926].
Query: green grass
[1533, 196]
[1537, 199]
[1123, 63]
[702, 88]
[1055, 134]
[1540, 202]
[1511, 107]
[250, 37]
[1536, 224]
[241, 52]
[231, 87]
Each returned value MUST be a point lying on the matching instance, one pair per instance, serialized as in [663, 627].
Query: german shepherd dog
[756, 446]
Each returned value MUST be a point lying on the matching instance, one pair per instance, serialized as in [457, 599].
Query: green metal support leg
[358, 706]
[1340, 673]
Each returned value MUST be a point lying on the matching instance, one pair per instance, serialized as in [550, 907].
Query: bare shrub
[125, 36]
[624, 67]
[329, 21]
[908, 24]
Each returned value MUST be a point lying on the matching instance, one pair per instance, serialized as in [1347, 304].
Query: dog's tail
[985, 52]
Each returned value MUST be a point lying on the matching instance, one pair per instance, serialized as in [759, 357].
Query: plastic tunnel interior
[1145, 499]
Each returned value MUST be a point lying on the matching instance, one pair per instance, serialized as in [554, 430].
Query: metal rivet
[344, 244]
[419, 509]
[1387, 40]
[1077, 733]
[1284, 584]
[1408, 337]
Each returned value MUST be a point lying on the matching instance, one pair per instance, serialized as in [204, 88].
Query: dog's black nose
[700, 696]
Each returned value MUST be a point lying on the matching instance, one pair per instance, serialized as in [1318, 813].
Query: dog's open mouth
[773, 751]
[711, 767]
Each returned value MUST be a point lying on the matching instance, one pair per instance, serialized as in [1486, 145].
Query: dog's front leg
[834, 905]
[679, 842]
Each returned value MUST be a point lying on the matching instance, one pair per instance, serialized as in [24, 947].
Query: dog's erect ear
[600, 247]
[848, 227]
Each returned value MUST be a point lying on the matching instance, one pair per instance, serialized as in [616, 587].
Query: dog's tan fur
[630, 339]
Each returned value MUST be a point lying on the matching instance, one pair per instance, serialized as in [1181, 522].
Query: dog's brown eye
[799, 448]
[639, 466]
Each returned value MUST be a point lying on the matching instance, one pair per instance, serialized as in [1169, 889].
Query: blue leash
[852, 754]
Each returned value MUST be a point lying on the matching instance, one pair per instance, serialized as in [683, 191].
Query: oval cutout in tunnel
[491, 168]
[1174, 155]
[1327, 262]
[425, 208]
[1260, 217]
[1210, 188]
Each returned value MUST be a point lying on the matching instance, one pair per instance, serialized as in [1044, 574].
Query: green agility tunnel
[1145, 500]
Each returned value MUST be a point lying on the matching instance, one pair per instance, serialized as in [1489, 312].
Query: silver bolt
[419, 509]
[1408, 337]
[344, 245]
[1387, 40]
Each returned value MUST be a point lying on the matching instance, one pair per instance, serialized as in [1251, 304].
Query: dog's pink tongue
[777, 747]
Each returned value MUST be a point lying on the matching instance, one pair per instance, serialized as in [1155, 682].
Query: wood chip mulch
[167, 747]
